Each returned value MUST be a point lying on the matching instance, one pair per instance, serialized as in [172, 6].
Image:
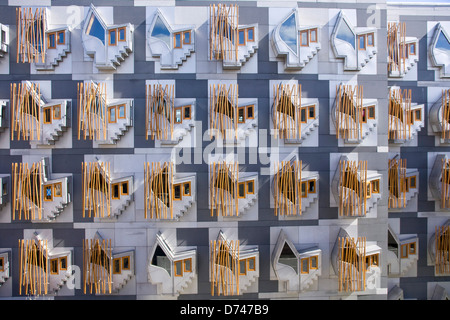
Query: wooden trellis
[287, 185]
[97, 266]
[223, 188]
[352, 264]
[33, 267]
[160, 116]
[396, 43]
[286, 112]
[224, 259]
[92, 113]
[349, 111]
[400, 115]
[445, 184]
[352, 188]
[96, 189]
[158, 183]
[397, 183]
[442, 246]
[223, 109]
[27, 185]
[31, 28]
[445, 112]
[25, 111]
[223, 32]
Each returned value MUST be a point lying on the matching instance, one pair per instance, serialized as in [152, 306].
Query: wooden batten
[442, 249]
[224, 178]
[400, 116]
[224, 270]
[97, 266]
[396, 43]
[352, 264]
[287, 188]
[445, 184]
[158, 190]
[349, 112]
[397, 183]
[223, 32]
[33, 267]
[445, 114]
[352, 188]
[31, 38]
[160, 112]
[26, 118]
[92, 111]
[96, 189]
[223, 110]
[286, 112]
[27, 185]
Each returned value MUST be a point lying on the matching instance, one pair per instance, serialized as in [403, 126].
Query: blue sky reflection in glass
[161, 32]
[443, 43]
[96, 29]
[346, 34]
[288, 32]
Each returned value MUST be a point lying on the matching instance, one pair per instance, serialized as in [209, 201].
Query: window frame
[180, 34]
[50, 111]
[175, 115]
[244, 262]
[55, 107]
[114, 185]
[368, 112]
[238, 191]
[377, 182]
[120, 106]
[412, 245]
[173, 192]
[110, 109]
[305, 183]
[248, 39]
[243, 114]
[246, 186]
[190, 264]
[54, 190]
[310, 262]
[184, 37]
[369, 190]
[302, 33]
[119, 264]
[412, 52]
[63, 37]
[252, 107]
[310, 38]
[406, 245]
[49, 35]
[307, 265]
[60, 259]
[363, 36]
[115, 37]
[373, 40]
[121, 188]
[45, 192]
[313, 183]
[176, 269]
[411, 179]
[54, 263]
[244, 32]
[418, 111]
[308, 114]
[123, 264]
[124, 34]
[184, 113]
[184, 192]
[254, 264]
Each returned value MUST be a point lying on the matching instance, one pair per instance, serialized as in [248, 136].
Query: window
[313, 35]
[115, 191]
[251, 34]
[51, 41]
[311, 112]
[112, 114]
[251, 265]
[48, 115]
[364, 115]
[303, 115]
[177, 192]
[178, 268]
[177, 40]
[124, 188]
[48, 193]
[187, 265]
[412, 49]
[187, 112]
[117, 268]
[123, 34]
[241, 115]
[2, 264]
[241, 190]
[4, 189]
[178, 116]
[404, 251]
[311, 186]
[250, 187]
[250, 112]
[412, 248]
[63, 263]
[362, 42]
[96, 29]
[241, 37]
[375, 186]
[304, 265]
[187, 188]
[371, 112]
[313, 262]
[54, 266]
[243, 267]
[122, 113]
[304, 41]
[370, 40]
[126, 263]
[304, 189]
[418, 115]
[412, 182]
[187, 37]
[372, 260]
[57, 189]
[57, 112]
[61, 37]
[369, 190]
[113, 37]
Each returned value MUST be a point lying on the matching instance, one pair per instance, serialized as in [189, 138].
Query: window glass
[178, 115]
[304, 190]
[116, 266]
[187, 112]
[48, 192]
[311, 112]
[112, 114]
[47, 115]
[96, 29]
[187, 188]
[370, 39]
[187, 265]
[241, 116]
[362, 42]
[187, 37]
[303, 115]
[250, 34]
[346, 34]
[178, 268]
[250, 187]
[122, 111]
[61, 37]
[177, 40]
[57, 111]
[304, 38]
[311, 186]
[288, 32]
[313, 262]
[112, 37]
[63, 263]
[57, 188]
[54, 265]
[161, 32]
[241, 190]
[116, 193]
[371, 112]
[305, 265]
[122, 34]
[251, 264]
[126, 263]
[313, 35]
[241, 37]
[177, 191]
[51, 41]
[124, 187]
[250, 112]
[242, 266]
[442, 42]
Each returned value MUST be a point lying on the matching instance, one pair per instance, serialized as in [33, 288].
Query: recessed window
[312, 186]
[48, 194]
[178, 268]
[242, 37]
[304, 189]
[375, 186]
[121, 111]
[4, 188]
[112, 115]
[364, 115]
[177, 192]
[372, 260]
[303, 118]
[2, 264]
[187, 112]
[57, 112]
[123, 34]
[51, 41]
[126, 263]
[177, 40]
[371, 112]
[313, 262]
[369, 190]
[362, 42]
[187, 188]
[304, 41]
[241, 115]
[404, 251]
[243, 267]
[187, 265]
[412, 182]
[251, 265]
[112, 37]
[186, 37]
[251, 34]
[412, 248]
[313, 35]
[57, 189]
[418, 115]
[117, 268]
[311, 112]
[178, 115]
[241, 190]
[412, 49]
[124, 188]
[304, 263]
[54, 266]
[96, 29]
[63, 263]
[116, 191]
[250, 112]
[48, 115]
[61, 37]
[250, 187]
[370, 40]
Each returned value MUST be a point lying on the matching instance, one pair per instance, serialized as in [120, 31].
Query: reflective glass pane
[96, 29]
[288, 32]
[346, 34]
[161, 32]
